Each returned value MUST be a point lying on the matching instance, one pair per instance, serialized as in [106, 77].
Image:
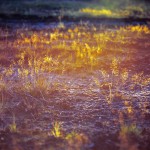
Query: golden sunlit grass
[56, 131]
[62, 51]
[71, 49]
[138, 29]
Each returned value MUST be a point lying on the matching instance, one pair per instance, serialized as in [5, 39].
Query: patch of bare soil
[81, 108]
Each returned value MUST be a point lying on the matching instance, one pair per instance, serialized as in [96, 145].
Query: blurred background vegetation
[73, 8]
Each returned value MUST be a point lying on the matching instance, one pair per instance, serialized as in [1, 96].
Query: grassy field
[76, 81]
[79, 87]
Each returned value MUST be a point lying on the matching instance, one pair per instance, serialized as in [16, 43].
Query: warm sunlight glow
[95, 12]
